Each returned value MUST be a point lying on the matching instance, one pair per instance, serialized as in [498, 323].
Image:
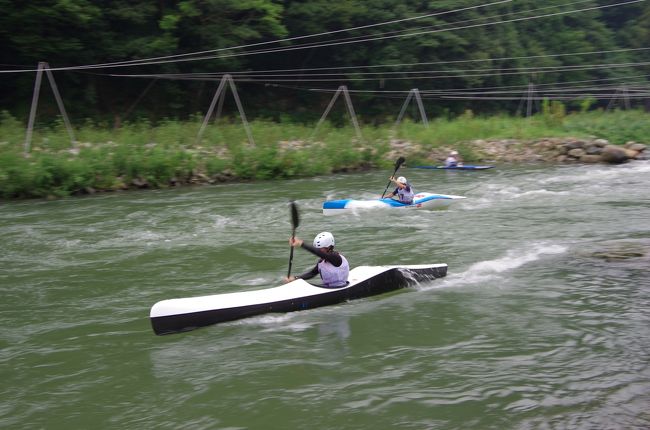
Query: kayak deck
[463, 167]
[420, 201]
[183, 314]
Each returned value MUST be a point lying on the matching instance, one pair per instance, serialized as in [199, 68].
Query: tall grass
[617, 126]
[140, 154]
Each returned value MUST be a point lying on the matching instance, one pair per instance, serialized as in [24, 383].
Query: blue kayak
[463, 167]
[420, 201]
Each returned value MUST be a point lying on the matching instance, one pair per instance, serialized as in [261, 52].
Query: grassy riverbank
[166, 154]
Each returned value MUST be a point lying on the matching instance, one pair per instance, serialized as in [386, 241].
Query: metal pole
[423, 114]
[353, 115]
[327, 110]
[404, 106]
[59, 101]
[613, 99]
[241, 109]
[529, 106]
[146, 90]
[211, 109]
[626, 96]
[32, 112]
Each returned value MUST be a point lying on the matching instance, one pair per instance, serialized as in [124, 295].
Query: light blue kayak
[420, 201]
[463, 167]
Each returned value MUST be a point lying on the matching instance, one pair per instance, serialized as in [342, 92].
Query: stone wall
[547, 150]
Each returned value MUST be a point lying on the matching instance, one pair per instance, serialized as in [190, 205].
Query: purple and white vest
[333, 276]
[406, 195]
[451, 162]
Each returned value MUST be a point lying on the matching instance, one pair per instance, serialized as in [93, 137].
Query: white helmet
[453, 153]
[402, 180]
[324, 240]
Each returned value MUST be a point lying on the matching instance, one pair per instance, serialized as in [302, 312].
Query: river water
[543, 321]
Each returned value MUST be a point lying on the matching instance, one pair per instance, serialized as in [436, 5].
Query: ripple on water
[530, 329]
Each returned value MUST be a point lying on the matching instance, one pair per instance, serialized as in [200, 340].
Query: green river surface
[543, 320]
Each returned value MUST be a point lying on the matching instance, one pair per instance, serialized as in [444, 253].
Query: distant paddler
[453, 160]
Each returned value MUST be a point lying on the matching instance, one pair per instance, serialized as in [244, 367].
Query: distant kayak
[420, 201]
[463, 167]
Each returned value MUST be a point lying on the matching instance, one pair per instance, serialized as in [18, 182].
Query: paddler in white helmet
[404, 190]
[332, 267]
[453, 160]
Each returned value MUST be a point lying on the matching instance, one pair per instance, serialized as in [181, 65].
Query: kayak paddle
[295, 221]
[398, 163]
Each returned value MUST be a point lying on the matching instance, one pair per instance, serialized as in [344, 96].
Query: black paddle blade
[398, 163]
[295, 221]
[295, 218]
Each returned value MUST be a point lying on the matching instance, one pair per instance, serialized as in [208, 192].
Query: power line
[218, 75]
[155, 60]
[277, 50]
[561, 86]
[429, 63]
[450, 74]
[335, 43]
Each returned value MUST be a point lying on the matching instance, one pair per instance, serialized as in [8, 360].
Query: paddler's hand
[295, 242]
[289, 279]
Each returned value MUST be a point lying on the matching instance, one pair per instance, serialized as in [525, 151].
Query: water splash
[591, 174]
[496, 268]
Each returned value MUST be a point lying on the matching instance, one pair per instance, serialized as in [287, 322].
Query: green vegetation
[497, 46]
[144, 155]
[142, 126]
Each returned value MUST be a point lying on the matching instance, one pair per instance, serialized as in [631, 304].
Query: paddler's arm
[331, 257]
[397, 184]
[307, 275]
[392, 179]
[394, 193]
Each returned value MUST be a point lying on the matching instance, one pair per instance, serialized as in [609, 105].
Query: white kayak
[456, 167]
[177, 315]
[420, 201]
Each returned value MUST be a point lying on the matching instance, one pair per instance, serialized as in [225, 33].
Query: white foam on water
[68, 243]
[542, 192]
[563, 184]
[516, 258]
[259, 281]
[220, 221]
[493, 269]
[273, 322]
[499, 193]
[142, 236]
[591, 174]
[513, 192]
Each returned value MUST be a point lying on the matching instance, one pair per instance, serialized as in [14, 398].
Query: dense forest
[120, 60]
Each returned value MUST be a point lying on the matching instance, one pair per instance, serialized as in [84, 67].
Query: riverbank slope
[143, 155]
